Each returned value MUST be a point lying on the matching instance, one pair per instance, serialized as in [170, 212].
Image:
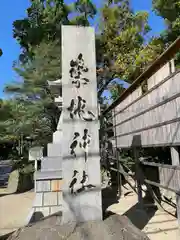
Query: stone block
[38, 201]
[54, 150]
[51, 164]
[57, 137]
[50, 199]
[60, 198]
[48, 175]
[55, 209]
[44, 210]
[56, 185]
[43, 186]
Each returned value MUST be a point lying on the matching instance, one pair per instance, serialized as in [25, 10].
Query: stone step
[51, 164]
[57, 137]
[48, 175]
[54, 150]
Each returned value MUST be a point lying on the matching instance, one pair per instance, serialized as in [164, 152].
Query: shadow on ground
[6, 236]
[140, 217]
[5, 192]
[109, 197]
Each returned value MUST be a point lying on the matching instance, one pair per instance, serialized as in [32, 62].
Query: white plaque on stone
[81, 159]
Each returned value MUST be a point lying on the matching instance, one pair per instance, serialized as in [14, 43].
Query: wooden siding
[155, 115]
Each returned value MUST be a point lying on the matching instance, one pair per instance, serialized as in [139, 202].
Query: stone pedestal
[48, 180]
[48, 198]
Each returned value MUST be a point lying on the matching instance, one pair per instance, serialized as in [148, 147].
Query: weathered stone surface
[55, 209]
[50, 199]
[51, 164]
[56, 185]
[60, 198]
[115, 227]
[38, 201]
[46, 175]
[81, 160]
[44, 210]
[13, 181]
[43, 186]
[54, 150]
[57, 137]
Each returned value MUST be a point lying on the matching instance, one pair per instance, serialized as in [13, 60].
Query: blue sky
[13, 10]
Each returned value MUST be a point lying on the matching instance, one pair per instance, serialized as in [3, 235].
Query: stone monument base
[48, 199]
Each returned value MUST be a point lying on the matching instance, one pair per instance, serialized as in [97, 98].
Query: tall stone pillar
[80, 144]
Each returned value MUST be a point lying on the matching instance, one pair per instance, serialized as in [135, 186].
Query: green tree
[5, 115]
[122, 47]
[170, 12]
[40, 37]
[44, 20]
[123, 35]
[39, 114]
[115, 89]
[84, 9]
[43, 23]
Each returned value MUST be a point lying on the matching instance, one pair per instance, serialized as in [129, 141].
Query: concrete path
[157, 224]
[14, 210]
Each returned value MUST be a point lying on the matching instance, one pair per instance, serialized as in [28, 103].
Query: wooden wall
[153, 116]
[170, 177]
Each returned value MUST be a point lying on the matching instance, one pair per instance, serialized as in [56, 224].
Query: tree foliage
[39, 35]
[124, 49]
[123, 35]
[116, 90]
[44, 20]
[40, 115]
[170, 12]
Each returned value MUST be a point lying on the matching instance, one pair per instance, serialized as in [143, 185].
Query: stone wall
[48, 198]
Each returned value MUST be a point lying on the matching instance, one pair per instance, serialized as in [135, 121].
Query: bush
[26, 182]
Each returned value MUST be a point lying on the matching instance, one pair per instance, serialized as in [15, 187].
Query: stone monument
[81, 159]
[74, 153]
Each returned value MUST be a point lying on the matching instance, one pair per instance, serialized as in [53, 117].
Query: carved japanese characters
[75, 184]
[80, 132]
[81, 142]
[78, 109]
[77, 72]
[74, 181]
